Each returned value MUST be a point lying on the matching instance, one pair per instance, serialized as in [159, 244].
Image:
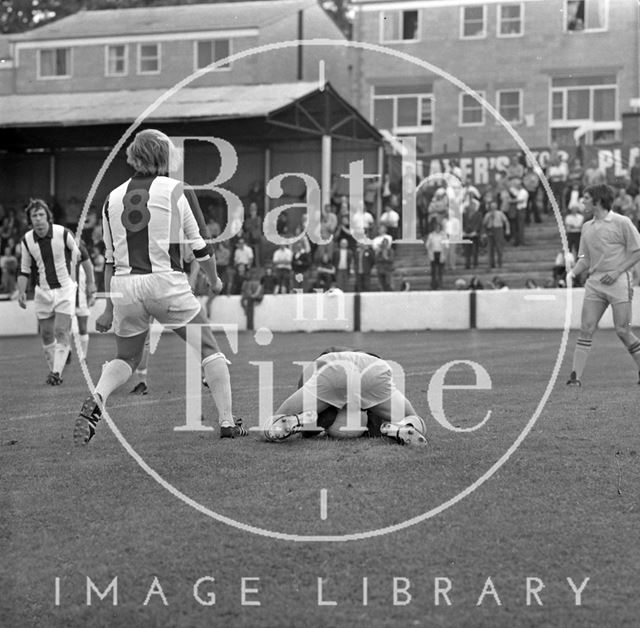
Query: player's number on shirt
[136, 215]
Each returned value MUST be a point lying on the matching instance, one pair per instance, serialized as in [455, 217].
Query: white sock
[60, 357]
[114, 374]
[49, 351]
[216, 372]
[140, 376]
[84, 345]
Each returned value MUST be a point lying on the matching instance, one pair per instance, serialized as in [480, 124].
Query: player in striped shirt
[50, 252]
[609, 249]
[144, 222]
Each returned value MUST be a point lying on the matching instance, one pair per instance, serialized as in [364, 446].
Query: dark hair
[36, 204]
[601, 193]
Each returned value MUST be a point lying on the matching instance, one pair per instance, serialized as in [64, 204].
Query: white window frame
[483, 33]
[54, 77]
[212, 40]
[400, 12]
[520, 118]
[461, 97]
[566, 123]
[499, 20]
[125, 72]
[405, 130]
[139, 60]
[602, 29]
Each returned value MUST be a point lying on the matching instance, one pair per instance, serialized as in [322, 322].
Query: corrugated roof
[232, 101]
[170, 19]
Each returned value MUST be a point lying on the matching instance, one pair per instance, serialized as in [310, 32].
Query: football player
[341, 379]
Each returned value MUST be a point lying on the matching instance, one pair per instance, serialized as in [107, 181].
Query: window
[208, 52]
[586, 15]
[405, 110]
[473, 22]
[399, 25]
[589, 102]
[54, 63]
[510, 105]
[116, 60]
[510, 23]
[148, 58]
[471, 111]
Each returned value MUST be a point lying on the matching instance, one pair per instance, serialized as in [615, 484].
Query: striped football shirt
[146, 219]
[50, 257]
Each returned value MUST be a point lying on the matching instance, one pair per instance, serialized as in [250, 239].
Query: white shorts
[340, 382]
[137, 299]
[619, 292]
[50, 301]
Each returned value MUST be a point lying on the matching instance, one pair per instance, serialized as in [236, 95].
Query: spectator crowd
[457, 221]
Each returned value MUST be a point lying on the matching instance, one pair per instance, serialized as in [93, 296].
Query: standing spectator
[436, 247]
[364, 261]
[252, 228]
[390, 218]
[9, 266]
[574, 179]
[439, 206]
[222, 253]
[268, 280]
[471, 229]
[520, 199]
[593, 175]
[452, 230]
[243, 254]
[560, 269]
[515, 170]
[239, 276]
[557, 173]
[343, 263]
[573, 226]
[623, 204]
[282, 264]
[98, 267]
[344, 232]
[382, 235]
[301, 262]
[531, 184]
[496, 225]
[251, 291]
[325, 273]
[384, 264]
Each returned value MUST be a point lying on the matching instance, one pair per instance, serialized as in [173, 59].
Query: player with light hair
[609, 249]
[341, 381]
[145, 220]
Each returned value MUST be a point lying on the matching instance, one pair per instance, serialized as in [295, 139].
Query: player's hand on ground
[104, 321]
[22, 300]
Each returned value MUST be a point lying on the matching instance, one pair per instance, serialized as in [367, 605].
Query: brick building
[552, 68]
[70, 89]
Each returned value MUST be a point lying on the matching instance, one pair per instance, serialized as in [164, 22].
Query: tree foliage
[17, 16]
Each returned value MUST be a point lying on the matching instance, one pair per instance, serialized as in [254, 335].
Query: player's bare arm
[105, 320]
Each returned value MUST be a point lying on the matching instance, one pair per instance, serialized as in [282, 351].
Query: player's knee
[62, 335]
[622, 332]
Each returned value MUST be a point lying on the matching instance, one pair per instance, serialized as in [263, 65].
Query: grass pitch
[564, 506]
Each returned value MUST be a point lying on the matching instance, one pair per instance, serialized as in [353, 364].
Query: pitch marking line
[323, 504]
